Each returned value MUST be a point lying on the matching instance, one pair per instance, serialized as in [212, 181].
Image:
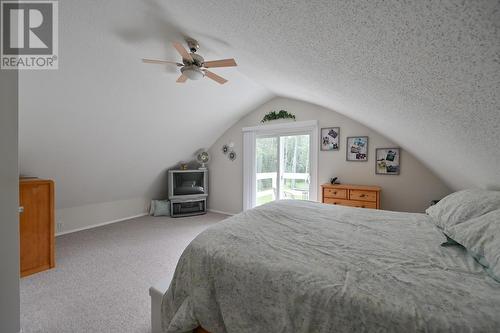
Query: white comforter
[297, 266]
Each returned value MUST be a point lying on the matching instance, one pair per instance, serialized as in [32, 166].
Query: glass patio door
[266, 176]
[282, 167]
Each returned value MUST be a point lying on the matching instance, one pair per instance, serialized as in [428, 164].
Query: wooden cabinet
[36, 225]
[361, 196]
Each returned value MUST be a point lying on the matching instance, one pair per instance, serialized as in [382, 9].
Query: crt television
[186, 184]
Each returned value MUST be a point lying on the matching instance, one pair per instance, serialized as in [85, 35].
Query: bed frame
[156, 292]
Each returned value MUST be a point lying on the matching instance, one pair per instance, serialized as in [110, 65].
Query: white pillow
[481, 237]
[159, 208]
[463, 205]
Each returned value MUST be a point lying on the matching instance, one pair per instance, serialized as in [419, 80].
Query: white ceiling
[106, 126]
[426, 74]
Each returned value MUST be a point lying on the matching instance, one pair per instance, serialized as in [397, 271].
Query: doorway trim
[249, 167]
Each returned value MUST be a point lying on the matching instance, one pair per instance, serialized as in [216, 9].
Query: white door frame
[250, 135]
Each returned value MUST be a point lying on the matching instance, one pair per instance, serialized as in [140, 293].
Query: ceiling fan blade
[220, 63]
[161, 62]
[183, 52]
[215, 77]
[182, 78]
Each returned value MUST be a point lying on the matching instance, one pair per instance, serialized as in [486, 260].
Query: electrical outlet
[59, 226]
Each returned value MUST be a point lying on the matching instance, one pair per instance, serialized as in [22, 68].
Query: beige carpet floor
[102, 275]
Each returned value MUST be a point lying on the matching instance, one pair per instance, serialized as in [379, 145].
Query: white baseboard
[125, 219]
[220, 212]
[100, 224]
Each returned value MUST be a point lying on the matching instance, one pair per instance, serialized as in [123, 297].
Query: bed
[300, 266]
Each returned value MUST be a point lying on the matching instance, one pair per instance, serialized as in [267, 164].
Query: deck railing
[287, 193]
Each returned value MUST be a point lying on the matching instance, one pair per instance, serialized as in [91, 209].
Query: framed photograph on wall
[357, 149]
[387, 161]
[330, 138]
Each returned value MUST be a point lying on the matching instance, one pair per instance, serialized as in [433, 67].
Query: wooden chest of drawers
[361, 196]
[36, 228]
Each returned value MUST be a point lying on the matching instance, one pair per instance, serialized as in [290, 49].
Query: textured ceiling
[106, 126]
[424, 73]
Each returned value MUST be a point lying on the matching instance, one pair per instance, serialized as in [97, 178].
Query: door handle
[21, 209]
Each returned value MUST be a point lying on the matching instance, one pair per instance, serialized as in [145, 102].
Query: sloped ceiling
[424, 73]
[106, 126]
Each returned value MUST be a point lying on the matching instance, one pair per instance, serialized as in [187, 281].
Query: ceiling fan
[193, 66]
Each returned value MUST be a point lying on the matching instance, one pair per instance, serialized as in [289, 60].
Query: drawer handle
[335, 192]
[361, 195]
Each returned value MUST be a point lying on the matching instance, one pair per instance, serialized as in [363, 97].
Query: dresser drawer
[334, 193]
[363, 195]
[361, 204]
[333, 201]
[351, 203]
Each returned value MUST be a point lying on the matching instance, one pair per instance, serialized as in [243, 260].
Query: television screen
[187, 183]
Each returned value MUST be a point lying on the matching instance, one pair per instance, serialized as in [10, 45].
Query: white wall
[9, 198]
[83, 217]
[105, 126]
[411, 191]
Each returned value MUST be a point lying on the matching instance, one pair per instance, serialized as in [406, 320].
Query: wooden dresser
[361, 196]
[36, 225]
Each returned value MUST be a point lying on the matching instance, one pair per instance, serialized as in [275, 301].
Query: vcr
[179, 208]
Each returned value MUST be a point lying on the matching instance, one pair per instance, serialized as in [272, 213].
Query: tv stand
[188, 207]
[187, 192]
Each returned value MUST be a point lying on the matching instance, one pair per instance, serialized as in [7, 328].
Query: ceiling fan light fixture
[193, 73]
[193, 66]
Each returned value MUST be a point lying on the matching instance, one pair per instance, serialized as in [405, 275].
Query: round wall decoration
[231, 155]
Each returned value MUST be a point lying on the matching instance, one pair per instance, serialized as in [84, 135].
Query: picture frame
[387, 161]
[330, 138]
[357, 149]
